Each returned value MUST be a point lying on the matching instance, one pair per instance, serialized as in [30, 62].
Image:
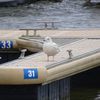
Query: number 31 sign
[31, 73]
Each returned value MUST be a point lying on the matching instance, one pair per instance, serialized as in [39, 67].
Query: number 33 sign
[6, 44]
[31, 73]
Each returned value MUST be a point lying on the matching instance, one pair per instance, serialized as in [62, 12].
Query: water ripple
[70, 12]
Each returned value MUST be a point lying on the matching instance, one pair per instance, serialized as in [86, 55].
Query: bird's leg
[53, 58]
[47, 58]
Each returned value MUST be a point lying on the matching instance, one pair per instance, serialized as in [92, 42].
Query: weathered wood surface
[58, 90]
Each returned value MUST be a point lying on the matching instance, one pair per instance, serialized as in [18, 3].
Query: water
[85, 94]
[69, 14]
[86, 85]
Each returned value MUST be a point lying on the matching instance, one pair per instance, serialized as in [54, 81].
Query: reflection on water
[85, 94]
[71, 13]
[86, 85]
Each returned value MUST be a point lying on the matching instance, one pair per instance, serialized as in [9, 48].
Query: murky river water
[69, 14]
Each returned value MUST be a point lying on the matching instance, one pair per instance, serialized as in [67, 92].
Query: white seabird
[50, 48]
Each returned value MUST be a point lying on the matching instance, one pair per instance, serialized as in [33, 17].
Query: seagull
[50, 48]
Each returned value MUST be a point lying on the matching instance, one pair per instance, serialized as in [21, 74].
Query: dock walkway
[88, 47]
[86, 55]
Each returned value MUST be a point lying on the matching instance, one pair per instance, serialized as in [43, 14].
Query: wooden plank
[43, 92]
[57, 90]
[64, 89]
[54, 91]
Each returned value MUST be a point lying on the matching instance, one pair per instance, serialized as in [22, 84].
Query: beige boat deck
[78, 48]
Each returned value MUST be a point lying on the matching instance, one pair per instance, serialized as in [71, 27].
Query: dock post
[22, 55]
[46, 25]
[35, 31]
[65, 89]
[27, 32]
[42, 92]
[57, 90]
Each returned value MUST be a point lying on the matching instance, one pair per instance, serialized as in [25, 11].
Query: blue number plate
[31, 73]
[6, 44]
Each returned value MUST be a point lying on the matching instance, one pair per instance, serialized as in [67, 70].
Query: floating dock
[33, 77]
[86, 55]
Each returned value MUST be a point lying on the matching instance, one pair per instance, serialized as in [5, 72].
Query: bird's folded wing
[55, 46]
